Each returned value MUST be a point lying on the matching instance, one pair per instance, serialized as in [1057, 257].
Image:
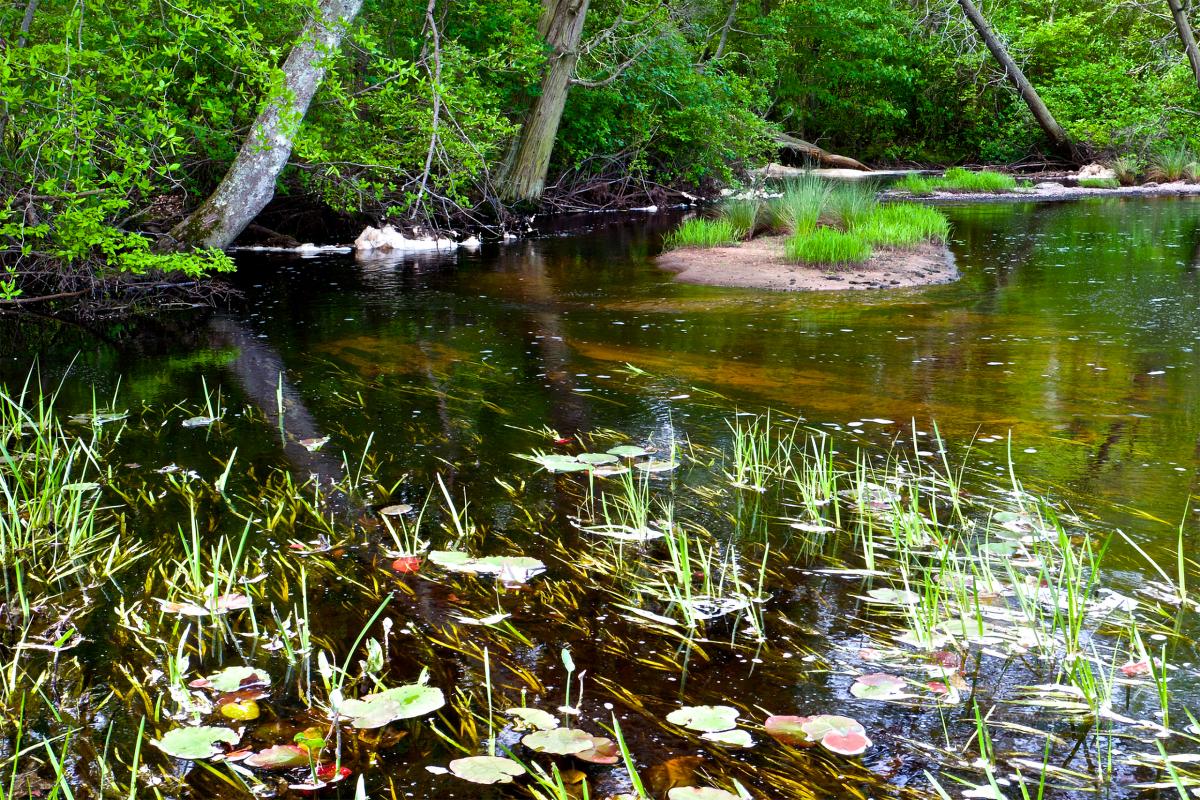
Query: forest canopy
[118, 118]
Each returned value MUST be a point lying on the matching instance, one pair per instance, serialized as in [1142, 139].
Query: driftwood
[810, 151]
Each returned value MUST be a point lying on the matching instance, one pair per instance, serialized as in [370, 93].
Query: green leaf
[195, 743]
[705, 718]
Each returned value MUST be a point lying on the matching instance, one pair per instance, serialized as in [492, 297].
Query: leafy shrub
[827, 246]
[703, 233]
[903, 225]
[1126, 169]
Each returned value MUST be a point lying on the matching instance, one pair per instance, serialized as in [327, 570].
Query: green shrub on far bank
[827, 246]
[1126, 169]
[1099, 183]
[1174, 162]
[703, 233]
[957, 179]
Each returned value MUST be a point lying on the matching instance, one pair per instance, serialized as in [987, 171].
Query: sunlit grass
[827, 246]
[903, 225]
[957, 179]
[703, 233]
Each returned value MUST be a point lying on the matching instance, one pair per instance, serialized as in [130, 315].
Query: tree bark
[1186, 35]
[733, 7]
[1042, 114]
[818, 154]
[523, 176]
[250, 182]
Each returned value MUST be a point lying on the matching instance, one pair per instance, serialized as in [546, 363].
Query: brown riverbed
[760, 264]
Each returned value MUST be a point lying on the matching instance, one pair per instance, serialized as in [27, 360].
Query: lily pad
[240, 710]
[596, 459]
[231, 679]
[395, 510]
[486, 769]
[559, 742]
[734, 738]
[705, 718]
[892, 597]
[629, 451]
[555, 462]
[195, 743]
[602, 751]
[198, 422]
[280, 756]
[700, 793]
[510, 569]
[835, 733]
[534, 718]
[81, 486]
[655, 465]
[390, 705]
[314, 444]
[878, 686]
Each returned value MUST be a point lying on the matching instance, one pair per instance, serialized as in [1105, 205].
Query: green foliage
[1173, 162]
[903, 225]
[1126, 169]
[803, 202]
[743, 215]
[827, 246]
[956, 179]
[1099, 183]
[703, 233]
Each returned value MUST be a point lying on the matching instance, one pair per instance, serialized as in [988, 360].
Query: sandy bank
[760, 264]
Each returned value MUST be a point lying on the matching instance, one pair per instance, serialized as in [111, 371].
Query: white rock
[1048, 185]
[1095, 171]
[388, 238]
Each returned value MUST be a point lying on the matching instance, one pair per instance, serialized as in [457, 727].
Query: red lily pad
[1136, 669]
[280, 756]
[788, 730]
[602, 751]
[406, 564]
[837, 734]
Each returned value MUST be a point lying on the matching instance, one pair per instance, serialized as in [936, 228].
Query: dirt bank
[760, 264]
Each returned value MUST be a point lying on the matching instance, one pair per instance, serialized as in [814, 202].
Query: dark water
[1070, 341]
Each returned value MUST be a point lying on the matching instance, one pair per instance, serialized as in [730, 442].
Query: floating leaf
[195, 743]
[397, 510]
[314, 444]
[402, 702]
[198, 422]
[878, 686]
[837, 734]
[486, 769]
[240, 710]
[700, 793]
[596, 459]
[787, 729]
[602, 751]
[81, 486]
[893, 597]
[231, 679]
[733, 738]
[629, 451]
[705, 718]
[280, 756]
[656, 465]
[510, 569]
[560, 741]
[534, 718]
[1136, 669]
[407, 564]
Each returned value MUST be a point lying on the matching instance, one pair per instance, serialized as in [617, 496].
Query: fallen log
[808, 150]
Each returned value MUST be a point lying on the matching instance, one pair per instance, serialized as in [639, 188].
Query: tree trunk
[250, 182]
[1042, 114]
[1185, 34]
[523, 176]
[823, 157]
[725, 30]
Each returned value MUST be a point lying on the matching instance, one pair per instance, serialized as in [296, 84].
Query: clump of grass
[800, 208]
[957, 179]
[1099, 183]
[851, 204]
[827, 246]
[703, 233]
[743, 215]
[1174, 162]
[902, 225]
[1126, 169]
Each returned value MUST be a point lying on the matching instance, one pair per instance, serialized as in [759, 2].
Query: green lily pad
[510, 569]
[893, 597]
[81, 486]
[390, 705]
[628, 451]
[533, 718]
[734, 738]
[656, 465]
[705, 718]
[486, 769]
[195, 743]
[231, 679]
[878, 686]
[559, 742]
[280, 756]
[240, 710]
[596, 459]
[700, 793]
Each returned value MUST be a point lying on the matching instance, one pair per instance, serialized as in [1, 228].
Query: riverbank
[760, 264]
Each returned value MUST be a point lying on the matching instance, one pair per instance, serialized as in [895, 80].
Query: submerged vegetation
[620, 628]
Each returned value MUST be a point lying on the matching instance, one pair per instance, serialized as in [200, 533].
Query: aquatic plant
[850, 204]
[703, 233]
[902, 225]
[827, 246]
[800, 206]
[956, 179]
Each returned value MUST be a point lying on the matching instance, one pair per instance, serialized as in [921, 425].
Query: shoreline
[1050, 194]
[759, 264]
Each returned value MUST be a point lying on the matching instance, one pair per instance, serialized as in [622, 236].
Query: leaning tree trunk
[1185, 33]
[250, 182]
[1042, 114]
[523, 176]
